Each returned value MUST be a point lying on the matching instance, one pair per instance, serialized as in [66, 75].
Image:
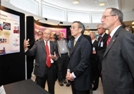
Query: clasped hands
[69, 76]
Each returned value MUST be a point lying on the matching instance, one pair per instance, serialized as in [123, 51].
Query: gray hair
[81, 25]
[93, 33]
[115, 11]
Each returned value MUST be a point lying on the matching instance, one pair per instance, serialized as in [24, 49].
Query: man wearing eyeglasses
[118, 60]
[79, 67]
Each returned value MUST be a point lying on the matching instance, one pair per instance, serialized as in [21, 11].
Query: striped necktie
[74, 42]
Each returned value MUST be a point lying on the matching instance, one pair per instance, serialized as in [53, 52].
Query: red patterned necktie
[48, 62]
[108, 40]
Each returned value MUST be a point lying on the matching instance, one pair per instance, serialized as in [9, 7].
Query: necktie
[108, 40]
[48, 63]
[99, 40]
[74, 42]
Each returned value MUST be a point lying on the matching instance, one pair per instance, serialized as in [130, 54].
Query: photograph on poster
[9, 33]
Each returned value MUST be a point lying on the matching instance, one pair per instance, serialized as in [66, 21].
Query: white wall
[128, 16]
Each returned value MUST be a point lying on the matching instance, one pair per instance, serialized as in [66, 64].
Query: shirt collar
[114, 30]
[102, 35]
[47, 42]
[77, 38]
[93, 41]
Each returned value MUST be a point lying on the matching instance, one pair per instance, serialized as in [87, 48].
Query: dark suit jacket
[80, 64]
[118, 64]
[95, 56]
[40, 56]
[101, 50]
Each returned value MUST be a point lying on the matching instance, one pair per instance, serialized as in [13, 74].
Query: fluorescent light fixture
[102, 4]
[75, 2]
[133, 22]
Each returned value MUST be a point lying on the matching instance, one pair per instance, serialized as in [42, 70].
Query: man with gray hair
[102, 40]
[63, 59]
[46, 53]
[94, 60]
[118, 60]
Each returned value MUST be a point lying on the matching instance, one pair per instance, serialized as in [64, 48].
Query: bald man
[46, 54]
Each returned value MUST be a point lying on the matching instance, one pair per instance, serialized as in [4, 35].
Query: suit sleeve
[85, 58]
[56, 50]
[32, 51]
[127, 45]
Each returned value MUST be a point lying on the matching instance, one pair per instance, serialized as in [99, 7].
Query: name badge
[101, 44]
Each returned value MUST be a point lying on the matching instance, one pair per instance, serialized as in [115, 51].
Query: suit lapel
[112, 41]
[43, 44]
[76, 45]
[99, 42]
[51, 47]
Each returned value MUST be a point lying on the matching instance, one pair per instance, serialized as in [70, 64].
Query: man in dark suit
[118, 59]
[30, 59]
[102, 40]
[45, 53]
[79, 65]
[94, 60]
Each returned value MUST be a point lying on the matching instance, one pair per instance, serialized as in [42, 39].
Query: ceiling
[93, 5]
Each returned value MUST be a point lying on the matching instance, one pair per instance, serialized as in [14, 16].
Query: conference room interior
[54, 14]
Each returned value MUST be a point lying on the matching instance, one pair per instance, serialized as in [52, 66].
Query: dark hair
[115, 11]
[40, 32]
[56, 37]
[81, 25]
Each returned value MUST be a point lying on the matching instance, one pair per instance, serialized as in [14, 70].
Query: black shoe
[61, 84]
[68, 84]
[64, 81]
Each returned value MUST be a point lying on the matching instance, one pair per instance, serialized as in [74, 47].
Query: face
[75, 30]
[92, 36]
[107, 19]
[40, 35]
[100, 29]
[46, 34]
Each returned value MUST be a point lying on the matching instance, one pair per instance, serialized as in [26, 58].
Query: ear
[116, 18]
[80, 30]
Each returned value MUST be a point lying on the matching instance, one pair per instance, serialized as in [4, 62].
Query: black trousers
[49, 77]
[74, 91]
[95, 73]
[62, 66]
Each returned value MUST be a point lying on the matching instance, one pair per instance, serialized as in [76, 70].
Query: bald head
[47, 34]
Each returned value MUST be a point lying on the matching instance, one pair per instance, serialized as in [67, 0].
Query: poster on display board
[9, 33]
[38, 28]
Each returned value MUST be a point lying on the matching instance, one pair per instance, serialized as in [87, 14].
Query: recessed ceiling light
[102, 4]
[75, 2]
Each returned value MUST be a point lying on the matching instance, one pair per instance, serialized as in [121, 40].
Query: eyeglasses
[105, 16]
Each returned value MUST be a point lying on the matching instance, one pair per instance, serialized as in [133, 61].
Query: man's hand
[69, 76]
[26, 44]
[53, 56]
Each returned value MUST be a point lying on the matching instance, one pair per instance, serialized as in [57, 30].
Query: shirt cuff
[26, 49]
[52, 61]
[73, 75]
